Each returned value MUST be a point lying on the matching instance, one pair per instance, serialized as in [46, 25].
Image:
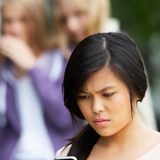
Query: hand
[18, 52]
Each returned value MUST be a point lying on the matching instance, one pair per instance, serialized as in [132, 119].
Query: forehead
[69, 6]
[102, 78]
[10, 7]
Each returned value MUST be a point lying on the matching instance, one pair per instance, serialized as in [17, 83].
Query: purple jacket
[57, 117]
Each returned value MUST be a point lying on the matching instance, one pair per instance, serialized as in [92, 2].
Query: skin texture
[74, 21]
[104, 101]
[15, 21]
[16, 40]
[106, 98]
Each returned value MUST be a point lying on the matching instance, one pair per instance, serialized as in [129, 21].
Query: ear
[137, 98]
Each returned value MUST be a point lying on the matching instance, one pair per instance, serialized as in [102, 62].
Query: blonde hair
[37, 12]
[97, 10]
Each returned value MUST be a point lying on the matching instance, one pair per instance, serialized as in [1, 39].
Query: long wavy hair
[114, 50]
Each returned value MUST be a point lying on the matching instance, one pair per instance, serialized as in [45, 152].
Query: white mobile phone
[66, 158]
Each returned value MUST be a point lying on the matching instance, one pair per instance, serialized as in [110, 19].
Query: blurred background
[140, 19]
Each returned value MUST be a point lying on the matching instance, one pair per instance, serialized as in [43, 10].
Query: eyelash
[108, 95]
[83, 97]
[105, 95]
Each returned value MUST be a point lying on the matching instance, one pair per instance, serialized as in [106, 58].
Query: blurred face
[15, 22]
[104, 101]
[74, 21]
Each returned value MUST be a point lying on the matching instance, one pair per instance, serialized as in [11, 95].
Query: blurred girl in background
[76, 19]
[33, 119]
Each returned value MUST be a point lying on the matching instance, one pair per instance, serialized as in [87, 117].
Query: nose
[97, 105]
[72, 24]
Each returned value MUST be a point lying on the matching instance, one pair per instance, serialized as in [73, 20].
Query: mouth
[101, 122]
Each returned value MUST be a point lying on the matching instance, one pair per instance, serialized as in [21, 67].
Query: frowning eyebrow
[106, 88]
[101, 90]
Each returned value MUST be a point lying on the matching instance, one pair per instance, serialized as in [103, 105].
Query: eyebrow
[101, 90]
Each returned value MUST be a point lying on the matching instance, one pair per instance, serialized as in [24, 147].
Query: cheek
[81, 106]
[84, 108]
[5, 28]
[120, 114]
[84, 22]
[121, 106]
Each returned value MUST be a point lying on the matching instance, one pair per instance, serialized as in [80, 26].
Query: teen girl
[104, 80]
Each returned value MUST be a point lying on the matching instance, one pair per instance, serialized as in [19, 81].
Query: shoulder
[153, 154]
[153, 141]
[157, 151]
[63, 151]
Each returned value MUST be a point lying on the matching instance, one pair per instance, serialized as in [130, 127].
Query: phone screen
[66, 158]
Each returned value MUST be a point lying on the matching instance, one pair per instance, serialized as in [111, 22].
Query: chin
[105, 132]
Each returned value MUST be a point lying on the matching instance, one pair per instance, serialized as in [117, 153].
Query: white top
[153, 154]
[34, 141]
[34, 135]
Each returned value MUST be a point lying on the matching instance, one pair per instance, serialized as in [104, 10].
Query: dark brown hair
[115, 50]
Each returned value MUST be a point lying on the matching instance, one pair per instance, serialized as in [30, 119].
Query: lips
[101, 121]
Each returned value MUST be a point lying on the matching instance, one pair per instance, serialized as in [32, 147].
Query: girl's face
[15, 22]
[104, 101]
[74, 21]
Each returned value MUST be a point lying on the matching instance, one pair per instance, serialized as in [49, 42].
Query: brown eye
[6, 20]
[108, 95]
[83, 97]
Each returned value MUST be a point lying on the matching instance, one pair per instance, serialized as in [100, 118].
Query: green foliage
[140, 19]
